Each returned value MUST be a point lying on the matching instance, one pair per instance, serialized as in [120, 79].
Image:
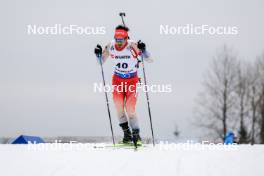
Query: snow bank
[19, 160]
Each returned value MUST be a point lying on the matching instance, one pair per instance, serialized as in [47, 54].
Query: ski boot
[127, 139]
[136, 138]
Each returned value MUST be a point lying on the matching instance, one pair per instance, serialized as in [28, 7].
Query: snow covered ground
[75, 160]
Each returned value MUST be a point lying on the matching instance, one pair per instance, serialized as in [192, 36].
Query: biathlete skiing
[126, 55]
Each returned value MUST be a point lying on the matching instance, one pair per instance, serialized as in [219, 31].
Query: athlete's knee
[131, 114]
[131, 110]
[120, 111]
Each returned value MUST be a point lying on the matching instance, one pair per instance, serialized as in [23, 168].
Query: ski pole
[107, 100]
[147, 97]
[122, 15]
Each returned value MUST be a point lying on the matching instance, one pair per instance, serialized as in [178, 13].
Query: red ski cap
[120, 34]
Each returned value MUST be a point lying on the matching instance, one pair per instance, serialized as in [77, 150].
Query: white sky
[46, 82]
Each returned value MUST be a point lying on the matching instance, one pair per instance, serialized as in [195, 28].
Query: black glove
[98, 50]
[141, 46]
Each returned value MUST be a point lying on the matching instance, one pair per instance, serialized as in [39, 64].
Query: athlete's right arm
[106, 53]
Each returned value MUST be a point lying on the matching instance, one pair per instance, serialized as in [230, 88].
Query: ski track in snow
[17, 160]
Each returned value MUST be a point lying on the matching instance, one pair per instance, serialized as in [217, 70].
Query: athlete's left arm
[146, 55]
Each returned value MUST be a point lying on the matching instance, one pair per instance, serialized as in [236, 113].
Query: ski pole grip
[122, 14]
